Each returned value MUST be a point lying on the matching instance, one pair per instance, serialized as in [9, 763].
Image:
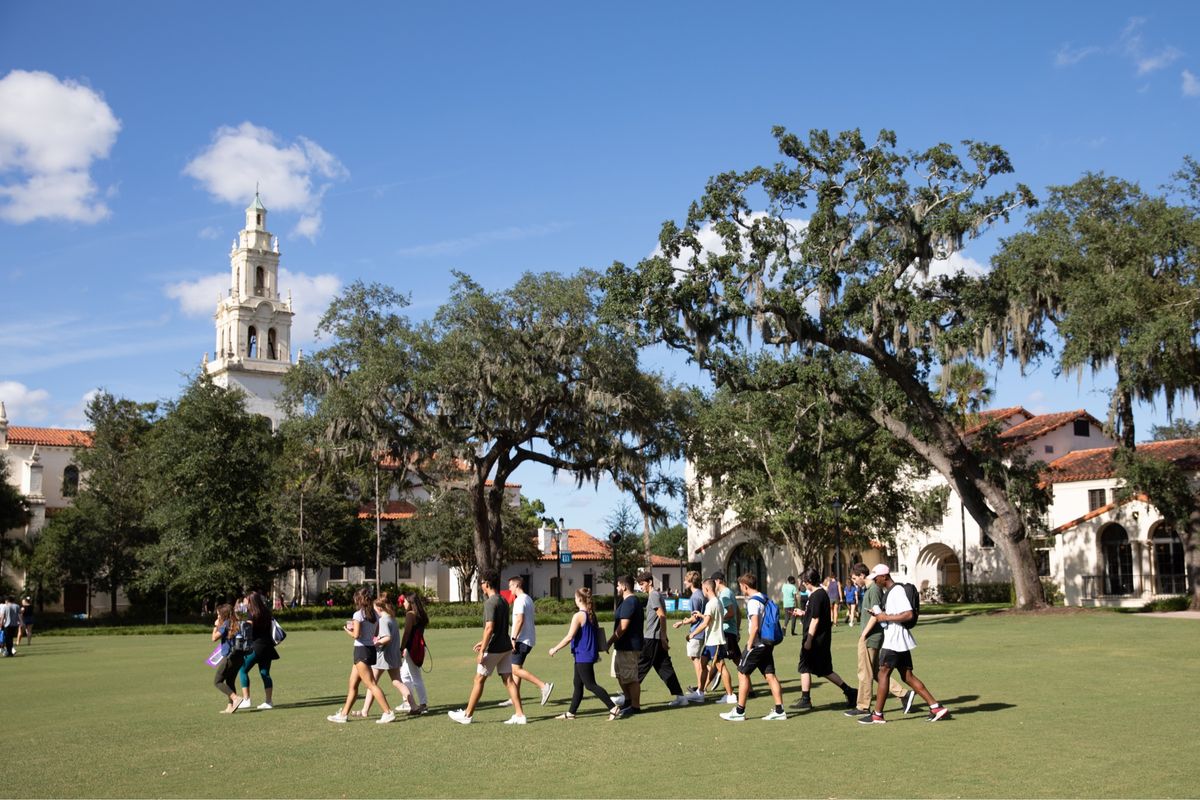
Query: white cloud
[454, 246]
[209, 232]
[1067, 56]
[23, 405]
[77, 414]
[311, 295]
[292, 177]
[711, 242]
[51, 131]
[956, 263]
[1156, 61]
[1134, 47]
[1191, 84]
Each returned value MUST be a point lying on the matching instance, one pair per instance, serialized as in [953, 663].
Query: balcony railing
[1097, 586]
[1170, 584]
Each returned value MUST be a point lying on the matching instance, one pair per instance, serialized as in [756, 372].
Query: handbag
[278, 634]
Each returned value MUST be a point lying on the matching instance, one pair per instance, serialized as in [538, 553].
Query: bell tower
[253, 323]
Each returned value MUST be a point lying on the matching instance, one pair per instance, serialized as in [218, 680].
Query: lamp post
[558, 534]
[680, 551]
[962, 514]
[614, 539]
[837, 539]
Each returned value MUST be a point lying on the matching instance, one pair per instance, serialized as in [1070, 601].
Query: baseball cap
[879, 569]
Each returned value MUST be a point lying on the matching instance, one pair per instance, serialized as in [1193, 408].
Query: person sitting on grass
[584, 638]
[362, 629]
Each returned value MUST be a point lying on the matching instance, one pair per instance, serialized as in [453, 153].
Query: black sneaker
[872, 719]
[851, 697]
[909, 699]
[856, 712]
[941, 712]
[803, 704]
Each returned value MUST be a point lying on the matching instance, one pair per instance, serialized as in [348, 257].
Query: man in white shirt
[758, 655]
[523, 638]
[898, 644]
[10, 618]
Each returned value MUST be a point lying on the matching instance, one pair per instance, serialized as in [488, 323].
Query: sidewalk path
[1175, 614]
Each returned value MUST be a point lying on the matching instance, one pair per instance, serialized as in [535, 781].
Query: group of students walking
[245, 635]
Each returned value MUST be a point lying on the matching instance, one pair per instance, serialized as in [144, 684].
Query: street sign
[564, 558]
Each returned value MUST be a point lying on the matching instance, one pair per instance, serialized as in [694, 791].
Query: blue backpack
[770, 631]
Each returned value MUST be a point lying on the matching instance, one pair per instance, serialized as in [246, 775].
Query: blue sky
[396, 143]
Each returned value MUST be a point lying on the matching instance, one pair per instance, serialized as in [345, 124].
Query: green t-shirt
[789, 595]
[728, 598]
[495, 610]
[870, 597]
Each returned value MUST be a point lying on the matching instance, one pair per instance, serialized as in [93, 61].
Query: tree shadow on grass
[313, 701]
[943, 619]
[956, 711]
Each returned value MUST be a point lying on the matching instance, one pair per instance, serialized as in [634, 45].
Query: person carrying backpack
[763, 634]
[899, 615]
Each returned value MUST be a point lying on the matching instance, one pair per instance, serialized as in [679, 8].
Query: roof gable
[1097, 463]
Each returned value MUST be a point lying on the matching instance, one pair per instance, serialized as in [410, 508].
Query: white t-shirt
[754, 608]
[895, 636]
[714, 636]
[366, 630]
[523, 606]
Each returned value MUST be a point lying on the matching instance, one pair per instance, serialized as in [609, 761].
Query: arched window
[746, 558]
[70, 483]
[1117, 557]
[252, 343]
[1170, 574]
[259, 282]
[271, 354]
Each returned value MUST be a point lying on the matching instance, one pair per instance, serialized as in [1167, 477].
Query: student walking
[363, 629]
[869, 643]
[494, 653]
[225, 627]
[655, 645]
[852, 594]
[523, 638]
[898, 644]
[413, 652]
[584, 638]
[815, 654]
[790, 595]
[695, 645]
[387, 651]
[758, 655]
[731, 622]
[10, 619]
[626, 639]
[262, 652]
[834, 590]
[26, 624]
[711, 631]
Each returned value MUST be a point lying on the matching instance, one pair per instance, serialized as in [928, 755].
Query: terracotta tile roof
[1042, 424]
[585, 547]
[1096, 512]
[391, 463]
[49, 437]
[1095, 464]
[983, 418]
[392, 510]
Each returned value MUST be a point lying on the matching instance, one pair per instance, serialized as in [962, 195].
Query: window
[985, 540]
[252, 342]
[1049, 448]
[403, 569]
[1096, 499]
[666, 582]
[1170, 573]
[337, 573]
[369, 572]
[1117, 560]
[258, 281]
[1083, 428]
[271, 344]
[1043, 562]
[70, 483]
[745, 558]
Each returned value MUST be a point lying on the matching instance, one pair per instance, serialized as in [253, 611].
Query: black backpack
[914, 600]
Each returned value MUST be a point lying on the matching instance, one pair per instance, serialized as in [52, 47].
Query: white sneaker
[546, 690]
[729, 699]
[618, 699]
[504, 704]
[265, 706]
[774, 715]
[389, 716]
[339, 718]
[678, 702]
[403, 707]
[695, 697]
[734, 716]
[459, 716]
[515, 719]
[245, 703]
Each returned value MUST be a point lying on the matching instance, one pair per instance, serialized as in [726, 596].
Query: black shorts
[896, 659]
[519, 651]
[364, 655]
[760, 658]
[818, 660]
[731, 647]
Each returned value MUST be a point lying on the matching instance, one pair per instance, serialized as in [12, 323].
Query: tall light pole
[837, 538]
[962, 570]
[680, 551]
[614, 539]
[558, 534]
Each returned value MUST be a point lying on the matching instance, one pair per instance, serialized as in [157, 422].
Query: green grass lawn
[1083, 705]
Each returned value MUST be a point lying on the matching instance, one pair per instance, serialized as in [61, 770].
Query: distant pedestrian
[626, 639]
[523, 638]
[387, 651]
[26, 624]
[790, 597]
[898, 644]
[834, 589]
[493, 653]
[731, 622]
[10, 618]
[413, 651]
[655, 643]
[816, 656]
[225, 627]
[869, 643]
[711, 631]
[584, 638]
[695, 645]
[363, 628]
[262, 652]
[851, 594]
[758, 655]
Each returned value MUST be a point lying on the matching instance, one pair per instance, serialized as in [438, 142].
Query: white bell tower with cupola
[254, 324]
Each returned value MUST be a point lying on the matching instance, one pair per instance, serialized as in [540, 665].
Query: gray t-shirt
[388, 656]
[12, 614]
[652, 629]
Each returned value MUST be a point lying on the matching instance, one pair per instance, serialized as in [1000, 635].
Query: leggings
[585, 678]
[223, 682]
[410, 674]
[264, 671]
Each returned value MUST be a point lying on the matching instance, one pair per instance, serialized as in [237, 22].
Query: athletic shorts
[731, 647]
[519, 652]
[761, 658]
[495, 662]
[896, 659]
[364, 655]
[695, 647]
[715, 652]
[817, 661]
[626, 665]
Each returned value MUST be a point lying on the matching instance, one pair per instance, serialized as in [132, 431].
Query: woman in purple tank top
[584, 638]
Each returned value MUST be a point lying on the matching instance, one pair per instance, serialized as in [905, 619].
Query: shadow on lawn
[314, 701]
[956, 711]
[943, 619]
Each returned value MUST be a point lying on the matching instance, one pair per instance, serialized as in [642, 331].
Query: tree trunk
[1190, 538]
[485, 512]
[112, 598]
[645, 527]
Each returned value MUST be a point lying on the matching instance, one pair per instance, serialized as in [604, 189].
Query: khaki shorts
[627, 666]
[695, 647]
[501, 662]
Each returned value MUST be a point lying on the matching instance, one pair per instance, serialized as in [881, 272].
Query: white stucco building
[1097, 551]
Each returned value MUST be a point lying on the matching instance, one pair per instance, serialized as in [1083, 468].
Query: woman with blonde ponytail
[585, 638]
